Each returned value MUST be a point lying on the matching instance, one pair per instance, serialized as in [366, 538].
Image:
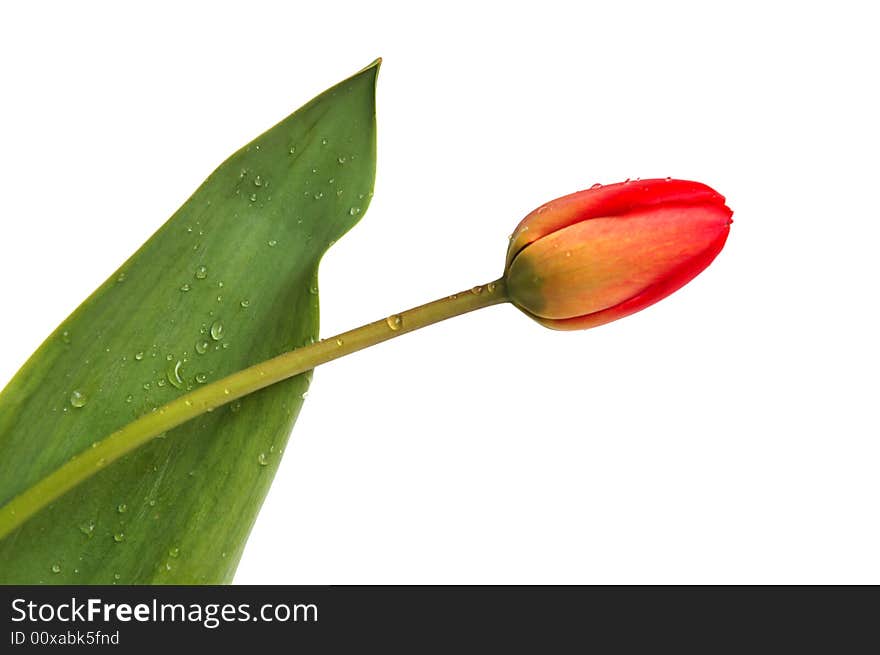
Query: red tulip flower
[598, 255]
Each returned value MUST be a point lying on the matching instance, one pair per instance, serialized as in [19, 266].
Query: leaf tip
[376, 64]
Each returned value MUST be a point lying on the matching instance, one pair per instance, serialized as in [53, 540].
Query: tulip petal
[609, 200]
[598, 270]
[677, 278]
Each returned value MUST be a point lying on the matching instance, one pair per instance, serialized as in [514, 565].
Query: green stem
[102, 453]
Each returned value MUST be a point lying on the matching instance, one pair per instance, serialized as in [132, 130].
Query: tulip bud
[598, 255]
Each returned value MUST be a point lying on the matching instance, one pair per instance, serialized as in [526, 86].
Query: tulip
[601, 254]
[579, 261]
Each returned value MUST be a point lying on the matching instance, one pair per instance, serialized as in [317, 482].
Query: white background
[727, 435]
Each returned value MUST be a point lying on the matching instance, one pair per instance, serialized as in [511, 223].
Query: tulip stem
[234, 386]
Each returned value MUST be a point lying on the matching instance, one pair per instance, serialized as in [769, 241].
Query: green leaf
[228, 281]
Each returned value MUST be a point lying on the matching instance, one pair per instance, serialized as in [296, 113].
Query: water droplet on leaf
[173, 374]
